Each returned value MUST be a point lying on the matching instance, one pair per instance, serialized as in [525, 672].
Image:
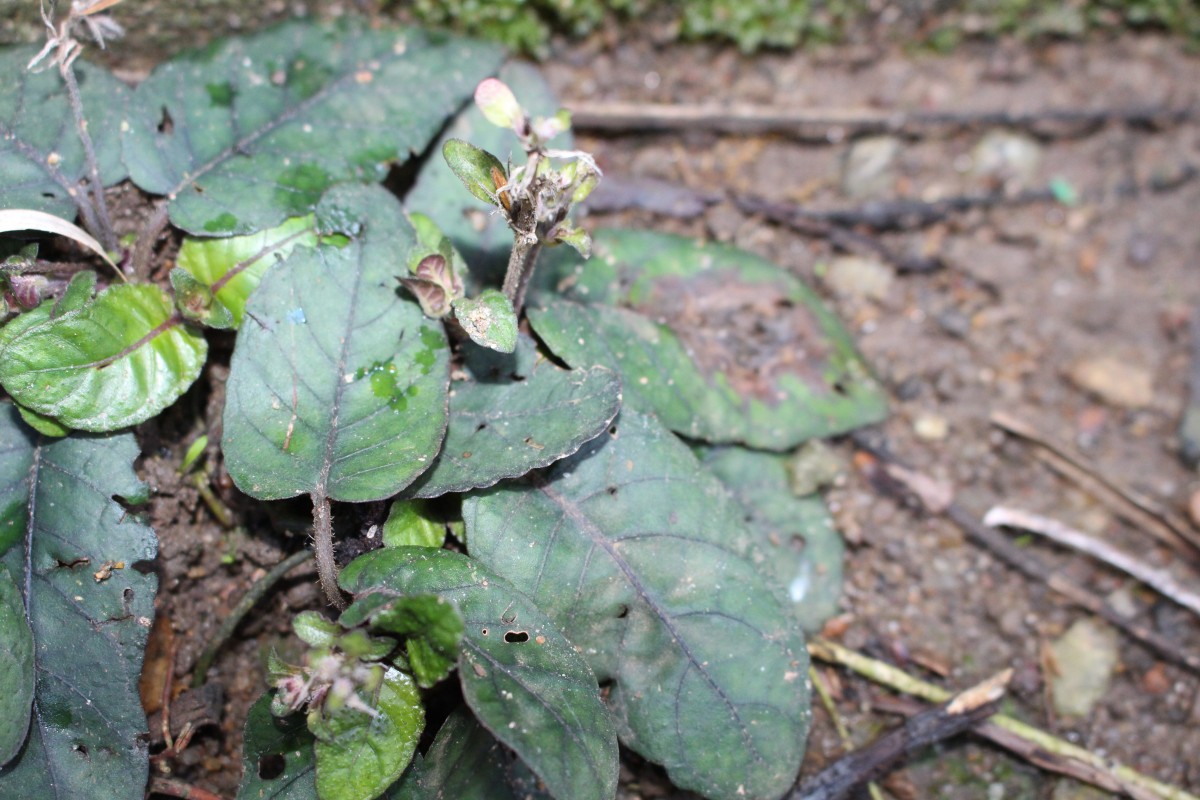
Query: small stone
[954, 322]
[868, 169]
[860, 278]
[1006, 156]
[931, 427]
[1085, 657]
[1156, 680]
[1114, 381]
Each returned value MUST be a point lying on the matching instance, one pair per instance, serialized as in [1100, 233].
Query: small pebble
[861, 278]
[1115, 381]
[931, 427]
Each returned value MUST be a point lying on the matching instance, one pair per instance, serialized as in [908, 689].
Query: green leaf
[720, 344]
[367, 754]
[251, 131]
[407, 526]
[640, 553]
[59, 523]
[338, 383]
[483, 238]
[41, 157]
[489, 320]
[520, 676]
[111, 363]
[231, 268]
[465, 762]
[478, 169]
[277, 756]
[43, 425]
[515, 413]
[431, 627]
[16, 669]
[799, 545]
[79, 292]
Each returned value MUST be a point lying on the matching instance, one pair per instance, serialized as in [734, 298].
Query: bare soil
[1027, 292]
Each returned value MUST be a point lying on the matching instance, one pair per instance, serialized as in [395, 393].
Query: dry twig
[1160, 580]
[832, 125]
[893, 482]
[1137, 508]
[1023, 739]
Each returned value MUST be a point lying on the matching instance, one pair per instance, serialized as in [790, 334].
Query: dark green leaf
[59, 524]
[515, 413]
[16, 669]
[365, 754]
[41, 156]
[465, 762]
[251, 131]
[431, 627]
[231, 268]
[79, 292]
[108, 364]
[482, 237]
[277, 756]
[489, 320]
[642, 556]
[338, 383]
[519, 675]
[799, 546]
[720, 344]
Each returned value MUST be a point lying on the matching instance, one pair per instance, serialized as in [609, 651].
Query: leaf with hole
[522, 678]
[60, 521]
[515, 413]
[796, 539]
[359, 755]
[229, 269]
[251, 131]
[481, 236]
[720, 344]
[277, 756]
[338, 382]
[637, 551]
[41, 156]
[104, 365]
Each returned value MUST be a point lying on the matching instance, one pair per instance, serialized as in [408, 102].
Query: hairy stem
[103, 222]
[523, 259]
[323, 545]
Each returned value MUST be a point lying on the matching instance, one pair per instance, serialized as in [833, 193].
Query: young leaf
[60, 522]
[109, 364]
[430, 627]
[522, 678]
[364, 754]
[251, 131]
[41, 157]
[636, 550]
[43, 425]
[800, 547]
[465, 762]
[484, 239]
[16, 669]
[489, 320]
[474, 166]
[277, 756]
[407, 526]
[720, 344]
[231, 268]
[338, 383]
[516, 413]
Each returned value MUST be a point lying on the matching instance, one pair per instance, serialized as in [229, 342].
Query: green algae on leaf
[254, 130]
